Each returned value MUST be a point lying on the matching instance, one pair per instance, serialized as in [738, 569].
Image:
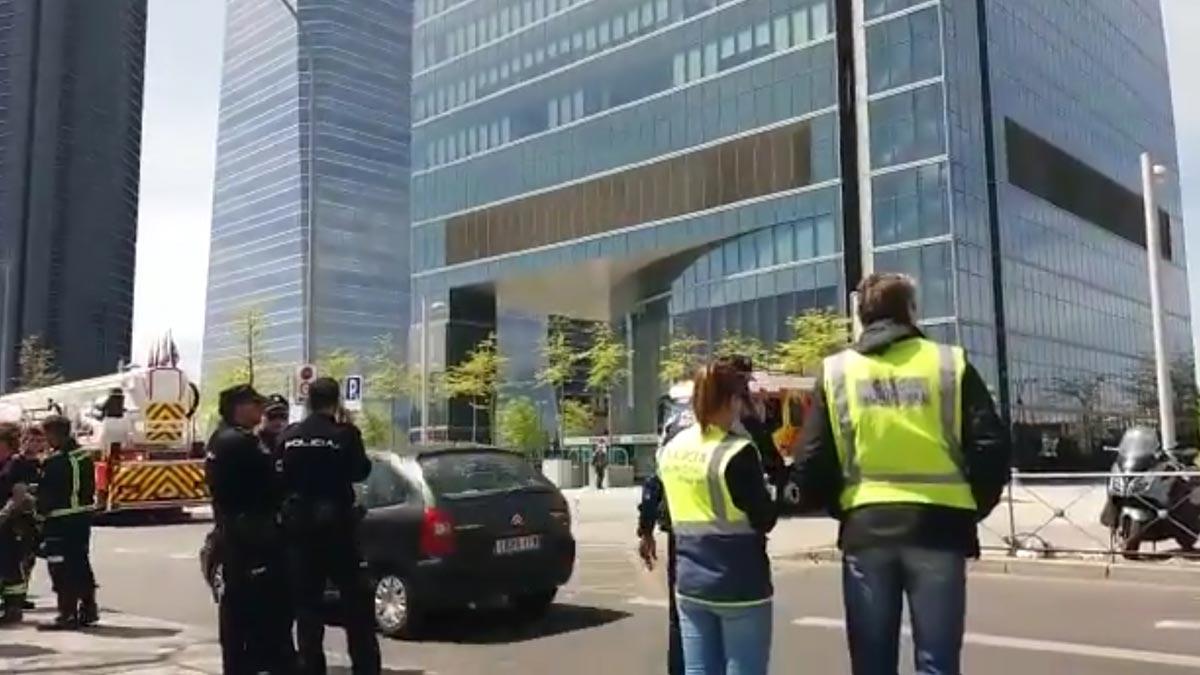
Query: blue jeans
[725, 640]
[874, 584]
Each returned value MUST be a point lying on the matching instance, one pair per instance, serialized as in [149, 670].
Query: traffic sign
[353, 392]
[305, 375]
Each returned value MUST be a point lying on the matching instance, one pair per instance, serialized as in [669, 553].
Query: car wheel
[534, 605]
[395, 615]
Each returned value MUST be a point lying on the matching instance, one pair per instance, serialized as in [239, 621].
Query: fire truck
[139, 424]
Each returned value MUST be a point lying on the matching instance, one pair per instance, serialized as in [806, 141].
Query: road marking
[649, 602]
[183, 556]
[1032, 645]
[1177, 625]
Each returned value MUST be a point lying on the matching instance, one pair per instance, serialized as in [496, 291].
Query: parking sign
[353, 392]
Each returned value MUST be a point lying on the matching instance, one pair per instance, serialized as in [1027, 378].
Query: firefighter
[16, 527]
[322, 458]
[254, 630]
[65, 500]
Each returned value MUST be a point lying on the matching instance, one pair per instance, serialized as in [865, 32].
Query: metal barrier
[1043, 514]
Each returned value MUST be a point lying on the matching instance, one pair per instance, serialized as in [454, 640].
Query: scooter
[1147, 501]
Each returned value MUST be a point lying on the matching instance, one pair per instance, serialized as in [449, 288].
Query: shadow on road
[500, 627]
[129, 632]
[146, 518]
[22, 651]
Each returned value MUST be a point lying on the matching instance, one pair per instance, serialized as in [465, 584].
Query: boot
[89, 612]
[67, 618]
[13, 611]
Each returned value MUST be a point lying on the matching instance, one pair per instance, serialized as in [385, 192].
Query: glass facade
[703, 165]
[360, 52]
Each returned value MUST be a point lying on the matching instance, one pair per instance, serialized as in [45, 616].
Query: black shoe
[89, 613]
[60, 623]
[28, 605]
[12, 614]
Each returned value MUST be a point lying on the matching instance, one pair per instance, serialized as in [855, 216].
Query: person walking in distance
[322, 458]
[255, 629]
[65, 499]
[600, 464]
[721, 513]
[904, 446]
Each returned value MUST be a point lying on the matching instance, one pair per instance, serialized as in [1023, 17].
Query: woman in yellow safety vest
[721, 513]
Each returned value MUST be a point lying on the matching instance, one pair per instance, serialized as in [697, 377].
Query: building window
[907, 126]
[910, 204]
[904, 50]
[930, 266]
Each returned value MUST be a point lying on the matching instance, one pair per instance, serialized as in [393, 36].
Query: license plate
[530, 542]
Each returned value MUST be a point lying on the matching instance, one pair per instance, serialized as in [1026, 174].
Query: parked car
[453, 527]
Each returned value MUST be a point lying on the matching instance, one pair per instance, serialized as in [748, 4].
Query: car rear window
[466, 473]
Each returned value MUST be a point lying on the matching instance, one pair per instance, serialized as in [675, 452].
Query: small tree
[477, 379]
[337, 364]
[576, 418]
[560, 358]
[680, 357]
[736, 344]
[389, 379]
[608, 366]
[376, 431]
[519, 426]
[815, 334]
[247, 331]
[35, 365]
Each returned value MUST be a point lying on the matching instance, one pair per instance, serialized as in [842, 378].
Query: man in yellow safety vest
[904, 446]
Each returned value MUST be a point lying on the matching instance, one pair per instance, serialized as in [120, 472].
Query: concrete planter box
[563, 473]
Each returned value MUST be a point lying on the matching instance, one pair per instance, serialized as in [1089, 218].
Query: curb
[1162, 573]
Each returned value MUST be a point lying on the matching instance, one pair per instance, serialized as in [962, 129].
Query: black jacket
[241, 476]
[322, 459]
[26, 470]
[986, 450]
[58, 489]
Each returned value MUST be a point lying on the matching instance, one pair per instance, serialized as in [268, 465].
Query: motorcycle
[1150, 499]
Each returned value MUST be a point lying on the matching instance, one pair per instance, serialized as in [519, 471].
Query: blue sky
[183, 77]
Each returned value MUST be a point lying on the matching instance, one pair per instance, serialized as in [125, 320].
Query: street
[611, 617]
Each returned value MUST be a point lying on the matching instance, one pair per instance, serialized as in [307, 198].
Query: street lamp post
[308, 159]
[1166, 399]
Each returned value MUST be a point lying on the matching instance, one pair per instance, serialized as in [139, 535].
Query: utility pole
[1166, 398]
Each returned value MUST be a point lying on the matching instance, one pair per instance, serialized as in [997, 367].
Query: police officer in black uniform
[65, 499]
[275, 420]
[322, 458]
[254, 626]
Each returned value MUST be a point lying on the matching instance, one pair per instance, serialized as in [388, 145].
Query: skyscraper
[718, 166]
[351, 287]
[70, 149]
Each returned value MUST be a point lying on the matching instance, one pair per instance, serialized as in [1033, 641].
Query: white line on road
[648, 602]
[1177, 625]
[1032, 645]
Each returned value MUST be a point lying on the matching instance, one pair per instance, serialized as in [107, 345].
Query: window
[906, 127]
[384, 486]
[930, 266]
[910, 204]
[903, 50]
[460, 474]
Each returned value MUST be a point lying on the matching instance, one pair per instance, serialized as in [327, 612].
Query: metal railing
[1156, 515]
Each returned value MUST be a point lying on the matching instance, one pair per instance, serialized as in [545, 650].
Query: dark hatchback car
[455, 527]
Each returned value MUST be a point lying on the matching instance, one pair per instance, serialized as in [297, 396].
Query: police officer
[720, 512]
[904, 446]
[65, 499]
[322, 457]
[275, 420]
[254, 629]
[16, 526]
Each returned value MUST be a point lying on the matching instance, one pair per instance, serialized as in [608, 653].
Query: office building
[342, 284]
[70, 154]
[717, 166]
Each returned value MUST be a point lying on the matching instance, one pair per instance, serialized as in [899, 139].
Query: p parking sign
[352, 392]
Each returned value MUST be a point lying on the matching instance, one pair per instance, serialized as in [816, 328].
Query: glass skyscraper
[717, 166]
[357, 271]
[70, 162]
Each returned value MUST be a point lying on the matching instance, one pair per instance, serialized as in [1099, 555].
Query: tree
[390, 380]
[519, 426]
[680, 357]
[576, 418]
[815, 334]
[1143, 387]
[35, 365]
[560, 358]
[608, 366]
[247, 331]
[376, 431]
[736, 344]
[477, 379]
[246, 366]
[337, 364]
[1085, 393]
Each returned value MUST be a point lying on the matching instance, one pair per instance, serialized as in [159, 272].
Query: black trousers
[13, 579]
[254, 618]
[674, 638]
[67, 545]
[319, 559]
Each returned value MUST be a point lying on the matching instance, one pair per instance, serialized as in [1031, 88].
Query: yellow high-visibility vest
[692, 468]
[897, 422]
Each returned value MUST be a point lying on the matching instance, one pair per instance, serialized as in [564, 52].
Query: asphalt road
[612, 618]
